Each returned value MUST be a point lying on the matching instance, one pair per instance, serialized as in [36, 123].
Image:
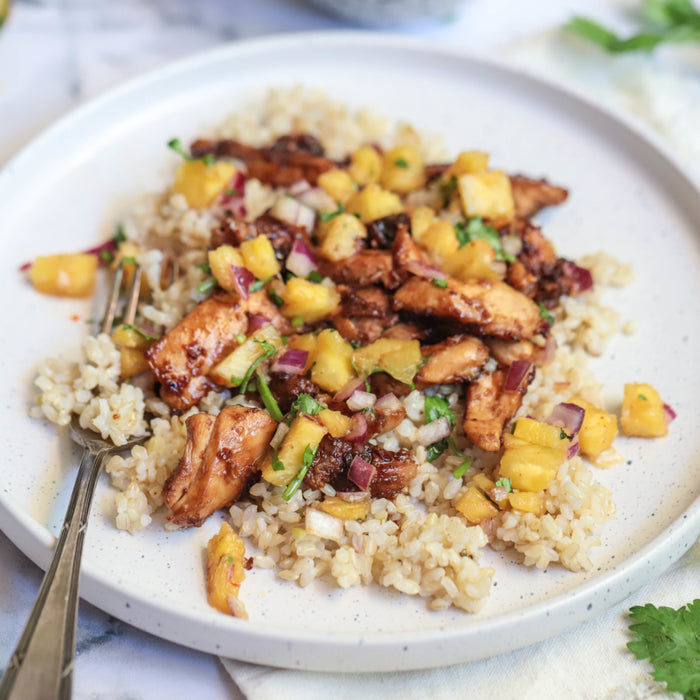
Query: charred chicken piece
[506, 352]
[363, 269]
[182, 358]
[363, 314]
[212, 475]
[456, 359]
[382, 232]
[291, 158]
[260, 304]
[489, 307]
[532, 195]
[490, 408]
[409, 259]
[287, 387]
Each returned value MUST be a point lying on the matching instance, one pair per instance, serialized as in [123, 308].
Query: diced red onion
[359, 400]
[361, 473]
[353, 496]
[377, 148]
[292, 211]
[582, 278]
[293, 361]
[518, 372]
[301, 259]
[317, 199]
[434, 432]
[388, 404]
[256, 322]
[568, 416]
[358, 428]
[345, 392]
[242, 279]
[547, 353]
[669, 413]
[423, 269]
[512, 245]
[110, 246]
[298, 187]
[323, 525]
[236, 607]
[236, 201]
[573, 448]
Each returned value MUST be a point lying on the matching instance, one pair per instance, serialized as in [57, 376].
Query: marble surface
[55, 54]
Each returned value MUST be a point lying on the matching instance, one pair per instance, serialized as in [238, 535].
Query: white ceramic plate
[67, 190]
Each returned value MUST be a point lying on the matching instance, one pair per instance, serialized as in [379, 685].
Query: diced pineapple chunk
[468, 162]
[259, 257]
[396, 356]
[337, 184]
[125, 252]
[225, 569]
[472, 260]
[332, 368]
[440, 242]
[528, 502]
[304, 341]
[344, 510]
[303, 432]
[132, 346]
[200, 183]
[488, 195]
[421, 219]
[222, 260]
[365, 165]
[232, 369]
[531, 467]
[341, 236]
[373, 202]
[475, 507]
[483, 482]
[309, 301]
[599, 428]
[643, 412]
[403, 170]
[128, 337]
[509, 440]
[337, 423]
[537, 433]
[68, 275]
[132, 362]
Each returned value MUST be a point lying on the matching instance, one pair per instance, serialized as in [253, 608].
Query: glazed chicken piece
[409, 258]
[490, 408]
[182, 358]
[291, 158]
[405, 331]
[488, 306]
[363, 269]
[532, 195]
[260, 304]
[221, 456]
[382, 232]
[506, 352]
[363, 314]
[287, 387]
[456, 359]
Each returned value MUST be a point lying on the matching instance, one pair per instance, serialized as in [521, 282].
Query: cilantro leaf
[275, 298]
[176, 145]
[437, 407]
[439, 283]
[447, 189]
[206, 286]
[401, 163]
[273, 408]
[268, 351]
[307, 459]
[119, 236]
[277, 463]
[505, 483]
[544, 313]
[315, 276]
[305, 403]
[670, 639]
[475, 229]
[328, 215]
[143, 334]
[436, 449]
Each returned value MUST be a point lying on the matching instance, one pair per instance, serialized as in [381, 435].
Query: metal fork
[41, 666]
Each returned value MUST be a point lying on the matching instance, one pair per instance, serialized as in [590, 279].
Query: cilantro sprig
[328, 215]
[437, 407]
[670, 639]
[475, 229]
[307, 459]
[305, 403]
[268, 351]
[176, 145]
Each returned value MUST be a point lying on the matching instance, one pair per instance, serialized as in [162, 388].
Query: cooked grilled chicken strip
[488, 306]
[287, 387]
[362, 269]
[456, 359]
[532, 195]
[382, 232]
[212, 478]
[183, 356]
[409, 258]
[363, 314]
[405, 331]
[291, 158]
[260, 304]
[506, 352]
[490, 408]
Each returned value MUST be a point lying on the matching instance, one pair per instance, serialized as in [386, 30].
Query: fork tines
[131, 300]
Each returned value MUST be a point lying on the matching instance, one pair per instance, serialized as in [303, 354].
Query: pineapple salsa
[356, 353]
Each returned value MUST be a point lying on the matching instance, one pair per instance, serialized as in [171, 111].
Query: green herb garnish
[205, 267]
[401, 163]
[256, 286]
[143, 334]
[106, 256]
[437, 407]
[315, 276]
[505, 483]
[297, 322]
[475, 229]
[328, 215]
[241, 338]
[642, 397]
[305, 403]
[208, 159]
[130, 260]
[275, 298]
[307, 459]
[277, 463]
[119, 236]
[439, 283]
[544, 313]
[176, 145]
[268, 351]
[273, 408]
[463, 468]
[207, 285]
[563, 435]
[447, 190]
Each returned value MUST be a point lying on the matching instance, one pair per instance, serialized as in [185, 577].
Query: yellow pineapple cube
[259, 257]
[483, 482]
[531, 467]
[509, 440]
[373, 202]
[225, 569]
[344, 510]
[475, 507]
[472, 261]
[643, 412]
[233, 368]
[599, 428]
[332, 368]
[440, 242]
[468, 162]
[488, 195]
[340, 237]
[537, 433]
[528, 502]
[421, 219]
[337, 423]
[304, 341]
[365, 165]
[66, 275]
[309, 301]
[222, 260]
[398, 357]
[403, 170]
[304, 432]
[200, 183]
[337, 184]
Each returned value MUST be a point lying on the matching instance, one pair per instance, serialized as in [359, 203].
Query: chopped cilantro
[436, 449]
[437, 407]
[563, 435]
[240, 338]
[447, 189]
[275, 298]
[277, 464]
[106, 256]
[305, 403]
[273, 408]
[328, 215]
[256, 286]
[297, 322]
[119, 236]
[475, 229]
[505, 483]
[401, 163]
[315, 276]
[439, 283]
[545, 313]
[307, 459]
[205, 267]
[129, 260]
[455, 449]
[642, 397]
[143, 334]
[209, 159]
[463, 468]
[176, 145]
[268, 351]
[229, 560]
[206, 286]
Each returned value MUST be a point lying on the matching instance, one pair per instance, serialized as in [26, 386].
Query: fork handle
[41, 666]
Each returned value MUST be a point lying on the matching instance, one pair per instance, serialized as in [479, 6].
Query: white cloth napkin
[590, 661]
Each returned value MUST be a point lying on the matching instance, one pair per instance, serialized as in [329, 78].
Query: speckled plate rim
[337, 651]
